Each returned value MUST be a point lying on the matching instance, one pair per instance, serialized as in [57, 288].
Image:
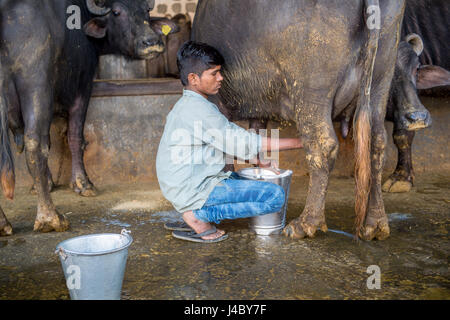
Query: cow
[48, 68]
[424, 60]
[311, 62]
[166, 64]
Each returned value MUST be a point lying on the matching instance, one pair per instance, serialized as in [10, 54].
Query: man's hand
[269, 164]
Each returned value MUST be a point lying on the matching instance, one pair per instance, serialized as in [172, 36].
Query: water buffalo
[424, 65]
[166, 64]
[404, 108]
[310, 62]
[48, 68]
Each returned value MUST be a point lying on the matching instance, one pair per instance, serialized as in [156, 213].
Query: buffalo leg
[15, 119]
[5, 226]
[402, 179]
[16, 125]
[321, 146]
[37, 106]
[50, 182]
[80, 182]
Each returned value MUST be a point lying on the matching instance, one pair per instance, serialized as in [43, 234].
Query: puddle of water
[399, 216]
[342, 232]
[115, 223]
[429, 191]
[265, 246]
[163, 216]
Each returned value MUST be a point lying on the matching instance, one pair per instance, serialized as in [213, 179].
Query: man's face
[210, 81]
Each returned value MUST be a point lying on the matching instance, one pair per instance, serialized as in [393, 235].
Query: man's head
[199, 65]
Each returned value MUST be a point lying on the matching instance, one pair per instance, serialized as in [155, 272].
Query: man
[192, 152]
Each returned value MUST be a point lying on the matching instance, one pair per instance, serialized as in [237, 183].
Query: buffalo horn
[151, 4]
[96, 9]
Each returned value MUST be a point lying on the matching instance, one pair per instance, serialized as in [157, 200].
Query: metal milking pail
[94, 265]
[271, 223]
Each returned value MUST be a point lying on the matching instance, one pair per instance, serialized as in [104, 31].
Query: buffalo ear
[416, 43]
[429, 76]
[96, 28]
[163, 26]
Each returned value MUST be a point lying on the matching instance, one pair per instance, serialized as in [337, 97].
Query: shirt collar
[191, 93]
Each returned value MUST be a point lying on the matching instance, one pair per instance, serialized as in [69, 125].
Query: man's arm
[268, 144]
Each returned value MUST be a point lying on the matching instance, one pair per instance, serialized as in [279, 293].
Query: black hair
[196, 57]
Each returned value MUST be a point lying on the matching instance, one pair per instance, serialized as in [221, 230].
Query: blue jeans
[235, 198]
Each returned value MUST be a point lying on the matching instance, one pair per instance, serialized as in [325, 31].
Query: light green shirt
[193, 150]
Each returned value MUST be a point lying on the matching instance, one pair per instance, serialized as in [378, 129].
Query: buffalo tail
[7, 175]
[362, 127]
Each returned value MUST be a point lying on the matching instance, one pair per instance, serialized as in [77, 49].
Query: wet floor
[414, 261]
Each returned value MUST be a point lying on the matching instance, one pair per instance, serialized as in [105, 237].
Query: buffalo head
[408, 112]
[127, 28]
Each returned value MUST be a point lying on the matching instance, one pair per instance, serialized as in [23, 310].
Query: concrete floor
[414, 261]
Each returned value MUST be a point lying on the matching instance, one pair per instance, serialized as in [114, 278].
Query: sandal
[177, 226]
[197, 237]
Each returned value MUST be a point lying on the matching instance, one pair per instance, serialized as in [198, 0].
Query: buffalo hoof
[84, 188]
[375, 228]
[5, 229]
[294, 230]
[89, 192]
[298, 230]
[51, 221]
[393, 185]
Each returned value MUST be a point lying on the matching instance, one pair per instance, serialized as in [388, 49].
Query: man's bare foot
[200, 226]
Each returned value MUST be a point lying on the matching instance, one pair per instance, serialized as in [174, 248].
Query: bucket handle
[61, 253]
[125, 232]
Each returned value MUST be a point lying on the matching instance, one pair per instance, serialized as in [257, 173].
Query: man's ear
[429, 76]
[163, 26]
[192, 79]
[96, 27]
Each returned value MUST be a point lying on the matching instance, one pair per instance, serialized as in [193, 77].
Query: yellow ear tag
[166, 29]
